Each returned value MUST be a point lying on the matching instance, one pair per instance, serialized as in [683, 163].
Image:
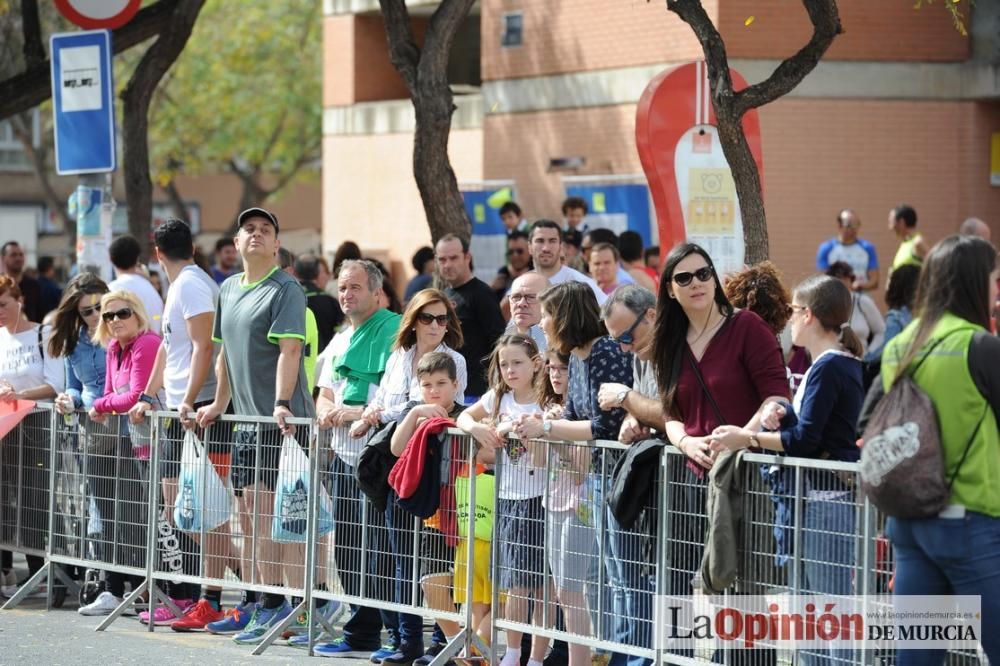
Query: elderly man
[348, 379]
[526, 308]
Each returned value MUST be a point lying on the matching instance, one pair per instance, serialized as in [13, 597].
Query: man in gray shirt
[260, 323]
[526, 308]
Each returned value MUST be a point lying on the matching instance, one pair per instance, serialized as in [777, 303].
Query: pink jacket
[127, 372]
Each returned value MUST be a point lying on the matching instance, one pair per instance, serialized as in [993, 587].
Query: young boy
[438, 379]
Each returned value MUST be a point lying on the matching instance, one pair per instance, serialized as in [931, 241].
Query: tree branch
[826, 26]
[21, 126]
[33, 86]
[31, 28]
[716, 59]
[403, 50]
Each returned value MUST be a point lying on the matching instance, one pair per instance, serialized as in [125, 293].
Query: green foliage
[245, 91]
[954, 8]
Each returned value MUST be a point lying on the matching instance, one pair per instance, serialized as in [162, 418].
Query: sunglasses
[86, 312]
[122, 314]
[704, 274]
[427, 319]
[627, 337]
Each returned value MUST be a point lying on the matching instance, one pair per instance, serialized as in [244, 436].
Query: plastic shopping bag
[291, 497]
[203, 500]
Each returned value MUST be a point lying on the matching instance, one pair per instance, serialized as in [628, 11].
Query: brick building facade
[902, 108]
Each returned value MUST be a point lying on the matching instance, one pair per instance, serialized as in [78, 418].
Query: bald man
[973, 226]
[526, 308]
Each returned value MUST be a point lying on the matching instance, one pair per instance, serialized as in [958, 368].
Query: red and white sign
[689, 178]
[98, 14]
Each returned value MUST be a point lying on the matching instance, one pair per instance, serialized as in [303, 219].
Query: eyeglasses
[704, 274]
[86, 312]
[527, 298]
[122, 314]
[627, 337]
[427, 319]
[557, 369]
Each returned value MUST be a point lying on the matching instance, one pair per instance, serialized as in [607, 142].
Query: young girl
[571, 542]
[514, 373]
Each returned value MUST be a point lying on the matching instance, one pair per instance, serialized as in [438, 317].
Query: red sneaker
[197, 617]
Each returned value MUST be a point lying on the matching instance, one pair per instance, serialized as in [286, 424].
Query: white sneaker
[8, 584]
[102, 605]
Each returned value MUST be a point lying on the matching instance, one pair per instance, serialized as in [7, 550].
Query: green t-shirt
[250, 320]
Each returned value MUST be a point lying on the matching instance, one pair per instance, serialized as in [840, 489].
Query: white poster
[81, 78]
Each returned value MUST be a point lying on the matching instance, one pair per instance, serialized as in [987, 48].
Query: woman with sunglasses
[27, 372]
[131, 354]
[73, 331]
[430, 323]
[715, 365]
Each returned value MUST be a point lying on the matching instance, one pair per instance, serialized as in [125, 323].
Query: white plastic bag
[203, 499]
[291, 497]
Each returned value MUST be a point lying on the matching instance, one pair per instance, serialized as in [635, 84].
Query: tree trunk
[136, 98]
[425, 72]
[730, 106]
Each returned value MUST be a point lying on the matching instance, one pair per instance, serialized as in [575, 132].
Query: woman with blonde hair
[124, 331]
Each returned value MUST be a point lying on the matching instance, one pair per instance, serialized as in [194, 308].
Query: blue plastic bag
[291, 497]
[203, 500]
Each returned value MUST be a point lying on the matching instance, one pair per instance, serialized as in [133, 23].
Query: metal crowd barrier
[555, 564]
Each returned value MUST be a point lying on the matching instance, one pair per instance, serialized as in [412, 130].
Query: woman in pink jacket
[131, 354]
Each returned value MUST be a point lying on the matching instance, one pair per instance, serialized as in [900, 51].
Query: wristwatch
[546, 427]
[287, 404]
[622, 395]
[148, 399]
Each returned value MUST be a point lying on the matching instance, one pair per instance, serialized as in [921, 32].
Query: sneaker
[260, 622]
[235, 620]
[8, 584]
[386, 650]
[429, 654]
[302, 640]
[402, 657]
[330, 612]
[104, 604]
[335, 648]
[198, 616]
[162, 615]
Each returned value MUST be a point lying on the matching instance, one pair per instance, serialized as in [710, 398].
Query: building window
[12, 157]
[513, 30]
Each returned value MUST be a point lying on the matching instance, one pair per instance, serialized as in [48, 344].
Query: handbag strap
[704, 387]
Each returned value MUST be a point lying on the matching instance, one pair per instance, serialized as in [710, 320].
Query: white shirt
[346, 447]
[521, 477]
[866, 321]
[145, 292]
[193, 293]
[565, 274]
[22, 364]
[400, 384]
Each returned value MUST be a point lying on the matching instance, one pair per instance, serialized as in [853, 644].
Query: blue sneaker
[302, 640]
[335, 648]
[236, 620]
[386, 650]
[330, 612]
[261, 622]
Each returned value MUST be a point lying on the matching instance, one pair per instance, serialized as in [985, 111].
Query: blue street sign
[83, 93]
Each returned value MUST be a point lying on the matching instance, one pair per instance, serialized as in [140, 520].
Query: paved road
[30, 635]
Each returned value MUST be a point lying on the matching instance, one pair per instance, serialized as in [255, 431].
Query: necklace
[707, 327]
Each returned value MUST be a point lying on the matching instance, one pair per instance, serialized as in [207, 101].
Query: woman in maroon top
[698, 332]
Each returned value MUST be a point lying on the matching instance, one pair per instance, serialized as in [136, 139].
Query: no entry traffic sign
[95, 14]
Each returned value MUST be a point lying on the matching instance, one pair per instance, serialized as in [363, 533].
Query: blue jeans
[828, 557]
[363, 630]
[950, 556]
[401, 541]
[633, 595]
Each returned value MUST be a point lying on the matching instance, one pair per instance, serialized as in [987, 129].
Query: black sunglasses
[704, 274]
[627, 337]
[122, 314]
[427, 318]
[86, 312]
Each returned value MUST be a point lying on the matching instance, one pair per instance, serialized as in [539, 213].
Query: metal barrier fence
[240, 507]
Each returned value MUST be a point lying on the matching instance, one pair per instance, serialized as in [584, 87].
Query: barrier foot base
[278, 629]
[29, 587]
[450, 652]
[129, 601]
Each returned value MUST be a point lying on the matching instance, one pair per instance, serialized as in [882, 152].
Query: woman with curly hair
[760, 290]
